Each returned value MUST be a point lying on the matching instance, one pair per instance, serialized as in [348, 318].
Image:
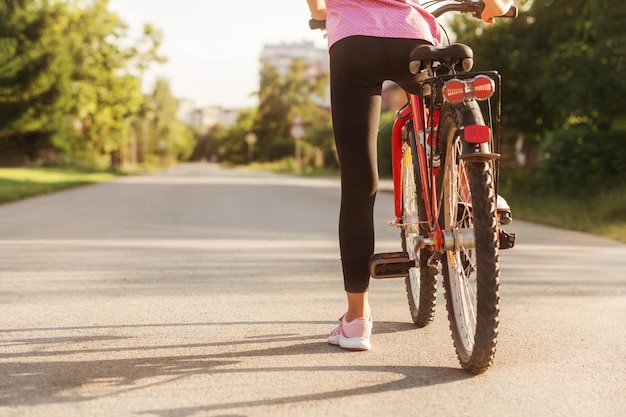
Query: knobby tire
[471, 276]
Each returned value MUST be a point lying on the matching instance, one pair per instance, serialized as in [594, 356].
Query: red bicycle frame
[427, 136]
[425, 121]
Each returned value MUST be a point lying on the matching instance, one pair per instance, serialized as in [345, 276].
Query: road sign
[297, 129]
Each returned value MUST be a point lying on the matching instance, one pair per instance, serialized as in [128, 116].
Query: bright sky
[214, 46]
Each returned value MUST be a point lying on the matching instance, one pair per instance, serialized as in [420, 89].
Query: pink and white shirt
[380, 18]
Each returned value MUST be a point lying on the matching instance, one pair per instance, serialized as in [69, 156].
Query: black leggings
[358, 67]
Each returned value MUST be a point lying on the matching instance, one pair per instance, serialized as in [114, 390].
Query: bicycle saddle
[456, 55]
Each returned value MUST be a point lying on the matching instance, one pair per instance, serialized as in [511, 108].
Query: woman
[369, 42]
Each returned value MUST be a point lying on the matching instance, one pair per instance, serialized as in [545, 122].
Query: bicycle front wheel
[470, 270]
[421, 283]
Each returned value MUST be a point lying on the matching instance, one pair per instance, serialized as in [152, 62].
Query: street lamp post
[250, 139]
[297, 131]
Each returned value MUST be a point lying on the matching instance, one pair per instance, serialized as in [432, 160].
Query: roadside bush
[280, 148]
[580, 160]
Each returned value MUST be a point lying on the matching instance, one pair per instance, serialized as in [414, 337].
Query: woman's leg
[355, 97]
[358, 305]
[358, 67]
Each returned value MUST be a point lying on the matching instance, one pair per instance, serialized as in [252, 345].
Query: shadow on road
[37, 377]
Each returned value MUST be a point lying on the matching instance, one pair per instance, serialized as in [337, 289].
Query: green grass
[288, 166]
[19, 183]
[603, 214]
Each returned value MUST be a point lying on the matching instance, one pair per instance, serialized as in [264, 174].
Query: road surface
[208, 292]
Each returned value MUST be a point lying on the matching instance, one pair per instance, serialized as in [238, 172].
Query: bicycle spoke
[421, 283]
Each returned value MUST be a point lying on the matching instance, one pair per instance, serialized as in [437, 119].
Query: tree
[206, 148]
[282, 98]
[169, 139]
[564, 74]
[231, 144]
[35, 70]
[106, 81]
[70, 80]
[560, 62]
[9, 7]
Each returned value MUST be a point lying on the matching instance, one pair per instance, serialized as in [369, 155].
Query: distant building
[204, 118]
[185, 108]
[281, 56]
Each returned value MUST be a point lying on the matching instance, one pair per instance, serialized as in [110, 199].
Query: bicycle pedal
[507, 240]
[390, 265]
[505, 217]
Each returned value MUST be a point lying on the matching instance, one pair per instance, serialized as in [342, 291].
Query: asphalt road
[208, 292]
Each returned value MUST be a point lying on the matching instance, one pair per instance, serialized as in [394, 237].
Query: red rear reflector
[484, 87]
[476, 134]
[454, 91]
[480, 88]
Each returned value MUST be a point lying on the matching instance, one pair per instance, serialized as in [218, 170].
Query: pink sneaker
[354, 335]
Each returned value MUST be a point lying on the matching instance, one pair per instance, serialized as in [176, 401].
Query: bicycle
[445, 163]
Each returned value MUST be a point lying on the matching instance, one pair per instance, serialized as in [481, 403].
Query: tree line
[563, 66]
[283, 97]
[71, 88]
[70, 84]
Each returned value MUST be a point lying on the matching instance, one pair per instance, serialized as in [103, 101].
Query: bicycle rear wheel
[471, 271]
[421, 283]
